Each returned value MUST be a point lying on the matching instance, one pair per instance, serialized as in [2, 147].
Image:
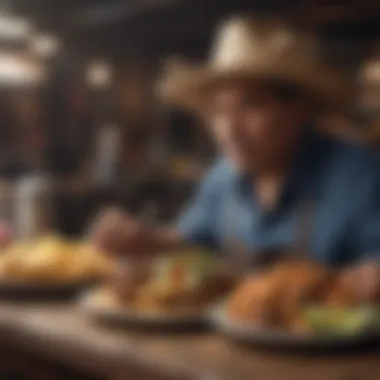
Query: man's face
[252, 126]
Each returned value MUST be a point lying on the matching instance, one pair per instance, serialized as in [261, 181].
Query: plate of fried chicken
[299, 304]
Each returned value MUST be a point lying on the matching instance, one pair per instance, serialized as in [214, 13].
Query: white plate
[127, 317]
[250, 334]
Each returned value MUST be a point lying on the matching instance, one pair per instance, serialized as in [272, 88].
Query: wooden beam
[319, 13]
[96, 16]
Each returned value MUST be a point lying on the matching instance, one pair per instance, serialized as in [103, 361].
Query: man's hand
[115, 232]
[363, 282]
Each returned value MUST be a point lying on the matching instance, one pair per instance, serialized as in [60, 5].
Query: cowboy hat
[369, 80]
[246, 48]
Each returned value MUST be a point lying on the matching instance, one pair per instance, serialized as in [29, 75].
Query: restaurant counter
[60, 333]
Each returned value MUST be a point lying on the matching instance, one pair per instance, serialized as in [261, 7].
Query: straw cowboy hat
[368, 104]
[246, 48]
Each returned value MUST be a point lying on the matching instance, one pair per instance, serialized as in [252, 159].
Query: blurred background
[81, 127]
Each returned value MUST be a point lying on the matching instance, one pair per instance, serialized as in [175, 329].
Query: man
[279, 186]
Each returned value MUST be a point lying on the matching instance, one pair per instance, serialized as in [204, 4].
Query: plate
[23, 290]
[127, 317]
[279, 338]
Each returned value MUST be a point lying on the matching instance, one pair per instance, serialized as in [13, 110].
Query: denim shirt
[338, 182]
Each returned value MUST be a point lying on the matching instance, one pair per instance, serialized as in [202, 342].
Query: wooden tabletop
[61, 333]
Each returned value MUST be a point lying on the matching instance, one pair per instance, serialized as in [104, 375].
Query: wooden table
[60, 333]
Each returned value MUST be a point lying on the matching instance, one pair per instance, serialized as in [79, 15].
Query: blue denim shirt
[339, 184]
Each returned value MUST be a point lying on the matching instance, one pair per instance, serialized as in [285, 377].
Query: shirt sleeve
[197, 223]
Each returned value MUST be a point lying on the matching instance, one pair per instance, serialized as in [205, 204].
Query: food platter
[298, 304]
[280, 338]
[176, 294]
[128, 317]
[50, 266]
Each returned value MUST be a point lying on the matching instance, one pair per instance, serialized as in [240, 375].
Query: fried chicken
[277, 296]
[302, 283]
[255, 300]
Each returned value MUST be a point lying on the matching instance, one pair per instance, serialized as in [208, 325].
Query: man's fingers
[116, 233]
[363, 281]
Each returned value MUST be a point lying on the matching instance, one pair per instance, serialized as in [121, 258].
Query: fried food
[301, 283]
[162, 297]
[10, 266]
[185, 283]
[51, 260]
[280, 295]
[255, 300]
[88, 262]
[277, 296]
[180, 289]
[128, 276]
[105, 297]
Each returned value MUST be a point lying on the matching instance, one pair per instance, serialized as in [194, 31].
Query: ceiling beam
[100, 15]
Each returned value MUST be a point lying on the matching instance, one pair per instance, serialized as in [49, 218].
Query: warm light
[13, 28]
[16, 70]
[371, 72]
[99, 74]
[45, 45]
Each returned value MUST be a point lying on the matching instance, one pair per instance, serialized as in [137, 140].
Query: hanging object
[44, 45]
[99, 75]
[13, 28]
[19, 70]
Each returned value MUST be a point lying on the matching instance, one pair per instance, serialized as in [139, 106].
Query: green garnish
[346, 321]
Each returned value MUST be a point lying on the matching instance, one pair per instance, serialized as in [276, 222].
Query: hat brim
[187, 86]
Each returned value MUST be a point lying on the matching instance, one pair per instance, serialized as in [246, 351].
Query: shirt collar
[307, 158]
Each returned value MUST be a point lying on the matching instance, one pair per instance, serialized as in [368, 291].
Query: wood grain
[62, 334]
